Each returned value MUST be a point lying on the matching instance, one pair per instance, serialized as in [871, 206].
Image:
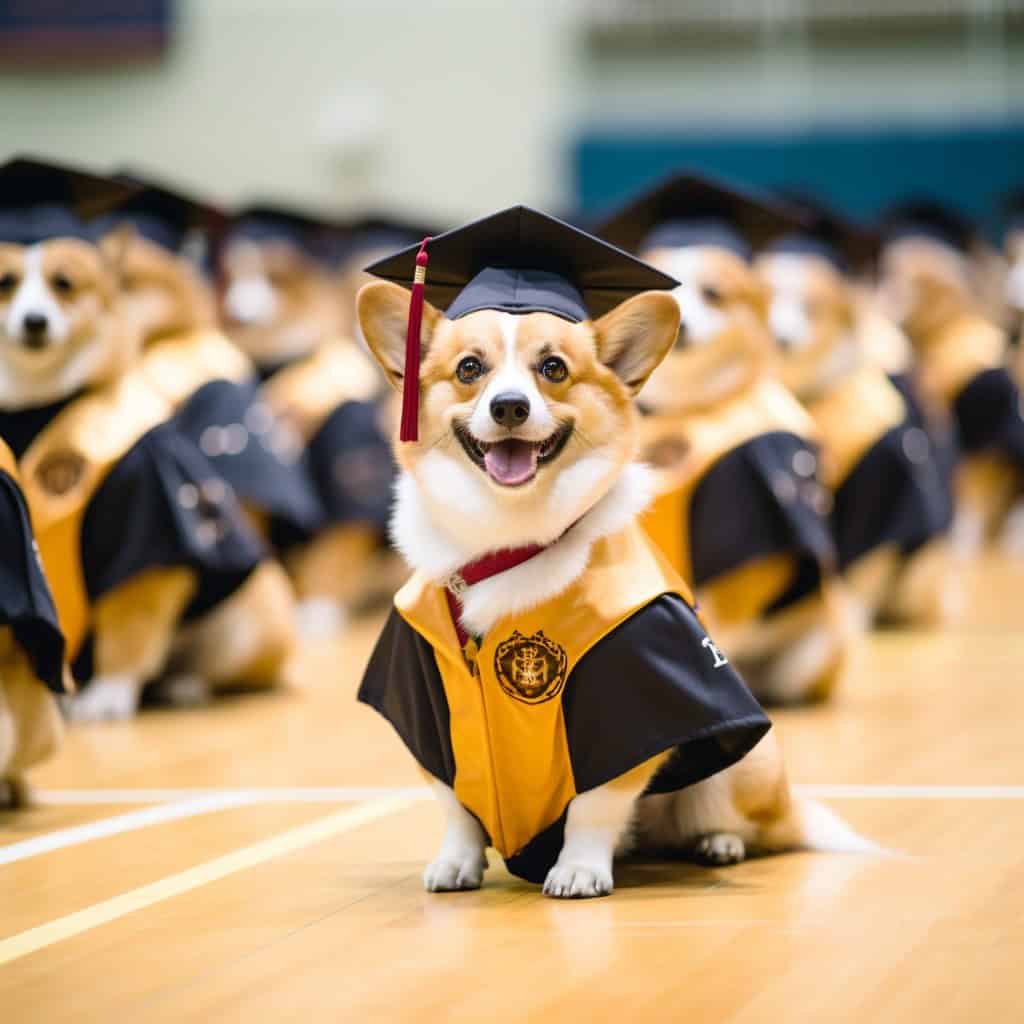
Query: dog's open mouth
[513, 462]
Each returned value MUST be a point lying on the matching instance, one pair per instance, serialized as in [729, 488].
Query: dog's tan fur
[450, 510]
[30, 724]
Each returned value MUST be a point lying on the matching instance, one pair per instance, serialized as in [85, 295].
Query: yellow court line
[317, 831]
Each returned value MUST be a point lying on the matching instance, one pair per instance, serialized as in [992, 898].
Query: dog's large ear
[114, 246]
[383, 310]
[635, 336]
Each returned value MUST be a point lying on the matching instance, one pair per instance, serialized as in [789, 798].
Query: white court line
[130, 822]
[267, 794]
[281, 845]
[344, 794]
[924, 792]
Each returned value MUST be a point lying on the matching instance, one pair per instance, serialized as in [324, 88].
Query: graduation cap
[928, 218]
[310, 233]
[169, 217]
[516, 261]
[850, 247]
[374, 232]
[689, 209]
[41, 200]
[1013, 211]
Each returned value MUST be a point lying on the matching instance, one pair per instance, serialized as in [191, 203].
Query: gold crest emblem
[60, 471]
[530, 668]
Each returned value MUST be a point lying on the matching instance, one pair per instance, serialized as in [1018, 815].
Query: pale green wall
[471, 103]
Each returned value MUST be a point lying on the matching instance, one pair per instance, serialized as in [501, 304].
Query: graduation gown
[26, 604]
[739, 484]
[963, 367]
[881, 466]
[331, 400]
[115, 489]
[563, 698]
[216, 393]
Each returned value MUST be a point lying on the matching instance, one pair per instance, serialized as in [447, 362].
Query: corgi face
[923, 283]
[59, 329]
[525, 421]
[722, 343]
[277, 304]
[161, 294]
[810, 314]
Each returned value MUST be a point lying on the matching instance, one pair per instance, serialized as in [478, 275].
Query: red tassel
[409, 430]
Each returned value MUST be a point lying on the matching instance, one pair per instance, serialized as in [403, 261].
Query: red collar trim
[482, 569]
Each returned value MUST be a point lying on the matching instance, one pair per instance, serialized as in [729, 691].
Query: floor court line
[34, 939]
[344, 794]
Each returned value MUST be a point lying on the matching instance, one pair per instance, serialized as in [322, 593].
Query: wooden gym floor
[260, 860]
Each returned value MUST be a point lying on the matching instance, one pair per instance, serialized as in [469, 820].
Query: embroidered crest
[720, 658]
[60, 471]
[530, 668]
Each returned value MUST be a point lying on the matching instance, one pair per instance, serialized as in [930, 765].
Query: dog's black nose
[35, 323]
[510, 409]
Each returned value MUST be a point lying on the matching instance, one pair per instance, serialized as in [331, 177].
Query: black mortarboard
[41, 200]
[309, 232]
[168, 217]
[928, 218]
[380, 231]
[827, 234]
[1013, 211]
[690, 209]
[514, 261]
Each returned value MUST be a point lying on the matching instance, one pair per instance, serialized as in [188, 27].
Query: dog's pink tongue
[511, 462]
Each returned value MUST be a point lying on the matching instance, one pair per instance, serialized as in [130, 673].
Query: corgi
[138, 534]
[33, 673]
[284, 307]
[249, 639]
[719, 424]
[891, 509]
[536, 595]
[961, 356]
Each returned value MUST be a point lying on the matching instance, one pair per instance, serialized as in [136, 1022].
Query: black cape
[261, 466]
[646, 687]
[762, 498]
[990, 416]
[26, 604]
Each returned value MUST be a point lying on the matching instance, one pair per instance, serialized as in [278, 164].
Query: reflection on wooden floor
[260, 860]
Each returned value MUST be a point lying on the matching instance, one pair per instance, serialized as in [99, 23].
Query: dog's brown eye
[554, 369]
[469, 369]
[62, 283]
[7, 282]
[712, 294]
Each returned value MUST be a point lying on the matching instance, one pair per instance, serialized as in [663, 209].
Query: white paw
[454, 874]
[319, 618]
[181, 691]
[719, 848]
[105, 700]
[578, 881]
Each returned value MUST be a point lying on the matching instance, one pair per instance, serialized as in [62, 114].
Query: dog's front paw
[578, 882]
[719, 848]
[455, 874]
[105, 700]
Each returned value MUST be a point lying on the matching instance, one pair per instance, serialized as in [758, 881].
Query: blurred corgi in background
[741, 511]
[928, 286]
[32, 669]
[138, 534]
[892, 505]
[545, 664]
[283, 305]
[161, 241]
